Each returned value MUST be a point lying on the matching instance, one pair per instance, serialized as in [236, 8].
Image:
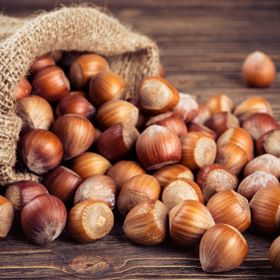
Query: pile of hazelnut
[201, 173]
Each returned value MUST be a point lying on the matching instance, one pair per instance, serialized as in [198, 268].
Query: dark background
[203, 44]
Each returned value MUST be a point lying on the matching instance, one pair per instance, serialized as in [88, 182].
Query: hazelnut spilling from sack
[85, 106]
[131, 55]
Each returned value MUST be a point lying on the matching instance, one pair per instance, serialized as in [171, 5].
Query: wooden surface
[203, 44]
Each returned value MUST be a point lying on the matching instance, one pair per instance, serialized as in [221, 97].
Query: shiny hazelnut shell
[106, 86]
[117, 111]
[171, 121]
[43, 219]
[222, 248]
[76, 134]
[146, 223]
[257, 180]
[251, 105]
[156, 95]
[84, 67]
[139, 188]
[89, 221]
[22, 192]
[265, 206]
[98, 188]
[50, 83]
[124, 170]
[40, 150]
[75, 104]
[35, 112]
[88, 164]
[266, 162]
[188, 221]
[157, 147]
[171, 172]
[213, 178]
[230, 208]
[197, 150]
[62, 182]
[22, 89]
[232, 157]
[258, 70]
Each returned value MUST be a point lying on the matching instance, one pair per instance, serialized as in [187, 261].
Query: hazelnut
[222, 248]
[194, 127]
[257, 180]
[117, 141]
[249, 106]
[156, 95]
[240, 137]
[75, 132]
[269, 143]
[179, 190]
[21, 193]
[50, 83]
[75, 104]
[258, 70]
[98, 188]
[188, 221]
[157, 147]
[265, 209]
[139, 188]
[220, 103]
[124, 170]
[43, 219]
[40, 63]
[171, 172]
[35, 112]
[187, 107]
[258, 124]
[89, 164]
[106, 86]
[222, 121]
[84, 67]
[62, 182]
[213, 178]
[117, 111]
[40, 150]
[197, 150]
[89, 220]
[230, 208]
[267, 163]
[146, 223]
[22, 89]
[171, 121]
[232, 157]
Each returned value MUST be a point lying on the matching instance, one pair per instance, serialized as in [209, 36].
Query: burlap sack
[132, 55]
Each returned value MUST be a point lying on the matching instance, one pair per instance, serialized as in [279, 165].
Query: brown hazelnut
[98, 188]
[139, 188]
[40, 150]
[146, 223]
[197, 150]
[75, 132]
[157, 147]
[156, 95]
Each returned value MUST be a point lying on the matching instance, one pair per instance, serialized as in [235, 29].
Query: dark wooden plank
[203, 44]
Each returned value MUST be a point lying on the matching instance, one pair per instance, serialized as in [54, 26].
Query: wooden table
[203, 44]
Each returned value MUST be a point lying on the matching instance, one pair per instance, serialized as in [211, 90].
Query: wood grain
[203, 44]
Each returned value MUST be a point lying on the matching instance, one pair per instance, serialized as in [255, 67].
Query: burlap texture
[132, 55]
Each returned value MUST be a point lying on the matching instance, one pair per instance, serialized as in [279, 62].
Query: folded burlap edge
[132, 55]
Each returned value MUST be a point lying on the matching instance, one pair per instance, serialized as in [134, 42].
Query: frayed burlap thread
[132, 55]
